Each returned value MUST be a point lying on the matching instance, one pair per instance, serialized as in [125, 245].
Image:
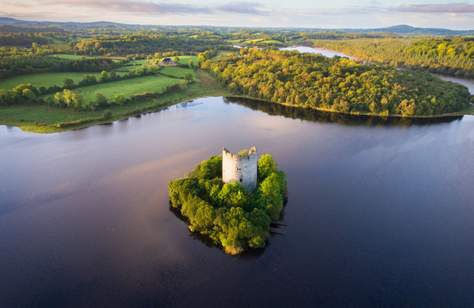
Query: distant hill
[409, 30]
[8, 21]
[398, 29]
[66, 25]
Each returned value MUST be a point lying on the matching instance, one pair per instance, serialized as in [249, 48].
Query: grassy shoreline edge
[12, 115]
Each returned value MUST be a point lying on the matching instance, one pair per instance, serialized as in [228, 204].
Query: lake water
[379, 214]
[322, 51]
[469, 83]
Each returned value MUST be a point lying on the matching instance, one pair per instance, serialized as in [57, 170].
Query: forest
[336, 84]
[226, 213]
[143, 44]
[450, 55]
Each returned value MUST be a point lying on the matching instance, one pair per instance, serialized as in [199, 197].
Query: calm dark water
[379, 214]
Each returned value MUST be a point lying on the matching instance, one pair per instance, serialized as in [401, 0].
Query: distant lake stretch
[322, 51]
[468, 83]
[379, 214]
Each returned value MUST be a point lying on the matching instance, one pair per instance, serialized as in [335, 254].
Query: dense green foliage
[148, 43]
[336, 84]
[25, 39]
[453, 56]
[230, 216]
[24, 63]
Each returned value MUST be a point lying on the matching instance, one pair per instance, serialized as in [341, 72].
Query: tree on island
[229, 215]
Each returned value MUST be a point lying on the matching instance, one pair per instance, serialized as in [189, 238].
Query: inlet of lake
[378, 213]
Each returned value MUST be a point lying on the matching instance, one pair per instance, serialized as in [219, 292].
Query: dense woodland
[227, 214]
[336, 84]
[24, 64]
[25, 39]
[23, 53]
[453, 56]
[148, 43]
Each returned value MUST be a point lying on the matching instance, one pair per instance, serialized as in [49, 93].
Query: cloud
[453, 8]
[161, 8]
[144, 7]
[365, 14]
[247, 8]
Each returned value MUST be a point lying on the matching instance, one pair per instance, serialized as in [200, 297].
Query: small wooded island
[232, 199]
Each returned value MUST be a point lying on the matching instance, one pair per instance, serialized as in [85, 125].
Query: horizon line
[217, 26]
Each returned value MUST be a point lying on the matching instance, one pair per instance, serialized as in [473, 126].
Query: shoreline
[364, 114]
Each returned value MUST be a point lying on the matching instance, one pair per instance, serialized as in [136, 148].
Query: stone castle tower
[240, 167]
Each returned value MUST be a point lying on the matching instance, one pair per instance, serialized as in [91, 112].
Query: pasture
[129, 87]
[184, 60]
[57, 78]
[176, 71]
[132, 65]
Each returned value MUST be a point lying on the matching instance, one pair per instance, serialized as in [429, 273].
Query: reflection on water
[330, 117]
[376, 213]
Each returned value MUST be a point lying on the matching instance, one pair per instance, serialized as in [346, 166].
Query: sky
[263, 13]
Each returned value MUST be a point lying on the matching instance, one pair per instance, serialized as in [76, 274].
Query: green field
[45, 119]
[51, 79]
[186, 59]
[176, 71]
[132, 65]
[129, 87]
[42, 79]
[71, 57]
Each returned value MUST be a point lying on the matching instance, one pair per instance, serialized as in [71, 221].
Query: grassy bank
[45, 119]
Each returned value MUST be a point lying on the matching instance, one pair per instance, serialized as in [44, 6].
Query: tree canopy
[336, 84]
[450, 55]
[226, 213]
